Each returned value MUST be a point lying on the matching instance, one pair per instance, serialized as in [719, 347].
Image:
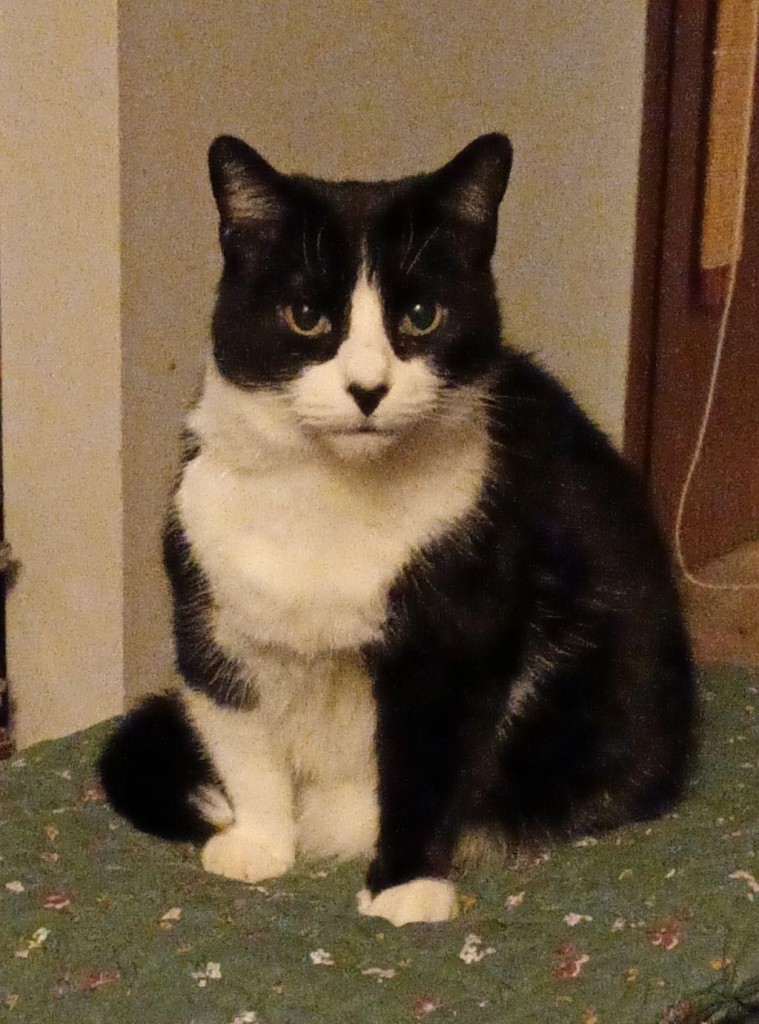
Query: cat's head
[365, 308]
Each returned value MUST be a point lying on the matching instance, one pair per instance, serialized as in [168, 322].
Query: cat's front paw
[242, 854]
[424, 899]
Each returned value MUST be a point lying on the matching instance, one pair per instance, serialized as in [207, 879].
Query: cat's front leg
[418, 750]
[428, 896]
[259, 842]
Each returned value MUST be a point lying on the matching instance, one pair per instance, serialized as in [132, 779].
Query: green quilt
[655, 923]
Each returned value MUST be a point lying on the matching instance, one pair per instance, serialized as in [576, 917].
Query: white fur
[240, 853]
[366, 357]
[214, 806]
[300, 527]
[300, 550]
[339, 819]
[424, 899]
[324, 407]
[261, 841]
[297, 770]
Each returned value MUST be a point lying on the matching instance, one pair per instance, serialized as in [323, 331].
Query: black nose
[367, 399]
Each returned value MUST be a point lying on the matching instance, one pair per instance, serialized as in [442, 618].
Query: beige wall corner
[59, 302]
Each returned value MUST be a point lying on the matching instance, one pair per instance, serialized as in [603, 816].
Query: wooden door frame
[652, 182]
[673, 330]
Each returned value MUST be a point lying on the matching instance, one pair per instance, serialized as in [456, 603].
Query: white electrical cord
[719, 351]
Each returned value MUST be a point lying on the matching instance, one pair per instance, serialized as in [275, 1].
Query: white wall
[59, 301]
[361, 89]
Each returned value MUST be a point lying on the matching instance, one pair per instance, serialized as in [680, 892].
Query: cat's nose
[367, 399]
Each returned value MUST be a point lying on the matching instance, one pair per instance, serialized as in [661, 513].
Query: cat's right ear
[471, 186]
[248, 190]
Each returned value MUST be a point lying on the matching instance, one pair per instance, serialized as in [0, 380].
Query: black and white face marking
[364, 306]
[365, 397]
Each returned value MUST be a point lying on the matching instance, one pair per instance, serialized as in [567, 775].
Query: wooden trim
[713, 286]
[730, 117]
[652, 179]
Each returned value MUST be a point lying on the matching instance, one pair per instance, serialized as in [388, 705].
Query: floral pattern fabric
[658, 922]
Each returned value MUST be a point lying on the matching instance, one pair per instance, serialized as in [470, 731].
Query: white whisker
[410, 238]
[421, 249]
[319, 258]
[305, 249]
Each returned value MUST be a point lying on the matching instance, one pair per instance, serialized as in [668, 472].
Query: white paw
[424, 899]
[244, 855]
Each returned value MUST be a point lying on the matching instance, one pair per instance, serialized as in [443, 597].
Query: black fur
[565, 581]
[203, 665]
[150, 767]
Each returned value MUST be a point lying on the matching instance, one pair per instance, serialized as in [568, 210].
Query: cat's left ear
[471, 186]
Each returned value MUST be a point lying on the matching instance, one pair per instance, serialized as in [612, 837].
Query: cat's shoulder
[533, 414]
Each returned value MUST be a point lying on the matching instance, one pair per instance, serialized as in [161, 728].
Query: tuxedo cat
[418, 597]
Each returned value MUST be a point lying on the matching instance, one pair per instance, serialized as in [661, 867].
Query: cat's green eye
[306, 319]
[421, 318]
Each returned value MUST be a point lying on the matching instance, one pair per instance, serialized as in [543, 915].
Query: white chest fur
[300, 550]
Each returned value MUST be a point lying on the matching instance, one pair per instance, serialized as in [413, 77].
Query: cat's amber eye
[306, 319]
[421, 318]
